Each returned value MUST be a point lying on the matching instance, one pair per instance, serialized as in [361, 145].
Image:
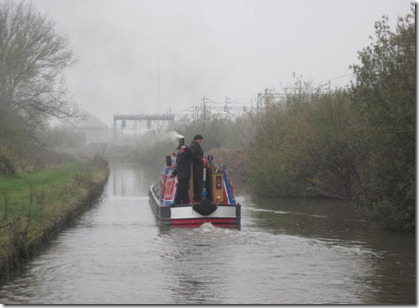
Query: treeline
[356, 143]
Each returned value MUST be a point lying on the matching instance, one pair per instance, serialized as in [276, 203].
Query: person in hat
[183, 173]
[197, 166]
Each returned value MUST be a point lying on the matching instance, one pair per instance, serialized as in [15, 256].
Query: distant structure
[92, 131]
[138, 123]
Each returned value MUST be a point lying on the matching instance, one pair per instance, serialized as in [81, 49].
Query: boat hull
[185, 216]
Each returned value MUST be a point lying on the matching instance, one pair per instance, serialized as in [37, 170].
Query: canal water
[286, 252]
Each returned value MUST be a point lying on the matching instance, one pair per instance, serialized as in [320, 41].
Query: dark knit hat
[198, 137]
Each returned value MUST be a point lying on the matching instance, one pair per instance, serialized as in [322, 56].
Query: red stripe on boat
[203, 220]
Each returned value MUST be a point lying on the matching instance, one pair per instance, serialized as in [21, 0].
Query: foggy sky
[149, 56]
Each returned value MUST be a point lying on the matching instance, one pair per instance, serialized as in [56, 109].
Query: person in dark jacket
[183, 173]
[197, 166]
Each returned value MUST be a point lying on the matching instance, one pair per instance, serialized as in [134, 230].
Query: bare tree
[33, 57]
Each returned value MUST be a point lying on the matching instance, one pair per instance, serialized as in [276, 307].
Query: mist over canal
[286, 252]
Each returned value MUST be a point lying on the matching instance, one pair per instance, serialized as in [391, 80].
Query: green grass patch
[32, 196]
[31, 203]
[40, 177]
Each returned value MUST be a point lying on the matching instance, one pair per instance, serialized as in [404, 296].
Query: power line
[209, 105]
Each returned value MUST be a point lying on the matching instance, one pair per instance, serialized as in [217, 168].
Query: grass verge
[35, 207]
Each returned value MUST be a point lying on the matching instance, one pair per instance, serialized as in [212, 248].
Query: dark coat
[183, 164]
[197, 154]
[198, 169]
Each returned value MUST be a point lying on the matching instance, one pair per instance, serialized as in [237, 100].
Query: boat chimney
[181, 142]
[168, 161]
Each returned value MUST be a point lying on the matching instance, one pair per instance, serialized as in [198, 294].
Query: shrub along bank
[358, 143]
[36, 206]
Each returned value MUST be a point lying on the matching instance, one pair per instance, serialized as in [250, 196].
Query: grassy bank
[35, 206]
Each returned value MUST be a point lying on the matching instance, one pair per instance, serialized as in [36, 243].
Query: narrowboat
[218, 205]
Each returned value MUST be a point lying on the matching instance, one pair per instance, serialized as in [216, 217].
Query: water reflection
[130, 179]
[388, 268]
[317, 218]
[287, 252]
